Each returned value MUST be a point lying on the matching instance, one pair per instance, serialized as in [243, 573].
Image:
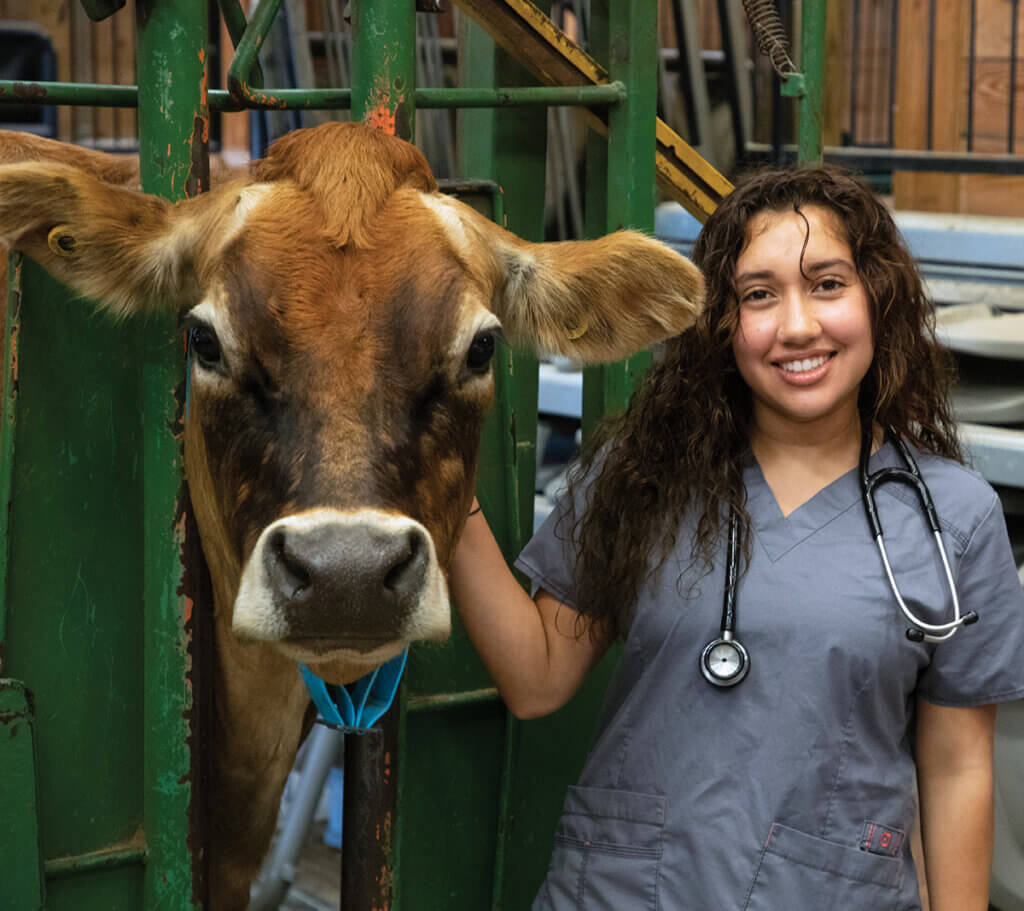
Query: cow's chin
[342, 665]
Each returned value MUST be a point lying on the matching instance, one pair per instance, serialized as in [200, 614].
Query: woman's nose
[798, 319]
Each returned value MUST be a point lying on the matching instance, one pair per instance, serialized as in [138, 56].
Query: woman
[793, 784]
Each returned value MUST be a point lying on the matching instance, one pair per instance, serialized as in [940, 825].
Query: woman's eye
[831, 284]
[757, 296]
[203, 343]
[481, 351]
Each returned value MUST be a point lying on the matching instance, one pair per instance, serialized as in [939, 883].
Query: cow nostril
[407, 568]
[291, 576]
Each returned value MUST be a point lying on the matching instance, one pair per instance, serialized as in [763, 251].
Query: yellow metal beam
[555, 59]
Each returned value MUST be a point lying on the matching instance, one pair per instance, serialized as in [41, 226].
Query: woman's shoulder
[963, 498]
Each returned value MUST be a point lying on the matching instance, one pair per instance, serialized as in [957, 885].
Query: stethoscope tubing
[919, 631]
[911, 477]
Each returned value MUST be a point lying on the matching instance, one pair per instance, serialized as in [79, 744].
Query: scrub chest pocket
[798, 870]
[607, 852]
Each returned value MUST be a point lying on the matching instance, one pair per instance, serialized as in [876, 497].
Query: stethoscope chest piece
[724, 662]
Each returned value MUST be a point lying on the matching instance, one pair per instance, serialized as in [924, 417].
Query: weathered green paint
[812, 65]
[624, 33]
[384, 65]
[8, 422]
[174, 130]
[234, 21]
[19, 835]
[74, 588]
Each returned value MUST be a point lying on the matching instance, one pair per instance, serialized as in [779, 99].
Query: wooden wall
[102, 52]
[975, 193]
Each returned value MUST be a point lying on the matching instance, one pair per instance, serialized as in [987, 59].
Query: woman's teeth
[804, 365]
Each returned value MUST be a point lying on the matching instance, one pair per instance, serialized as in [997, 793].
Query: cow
[341, 317]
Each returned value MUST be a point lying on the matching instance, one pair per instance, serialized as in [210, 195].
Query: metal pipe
[109, 859]
[867, 158]
[279, 872]
[812, 64]
[173, 131]
[126, 96]
[442, 701]
[234, 20]
[8, 425]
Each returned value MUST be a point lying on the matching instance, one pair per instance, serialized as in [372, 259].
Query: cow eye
[202, 340]
[480, 352]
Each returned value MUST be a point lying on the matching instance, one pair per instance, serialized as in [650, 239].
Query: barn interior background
[926, 97]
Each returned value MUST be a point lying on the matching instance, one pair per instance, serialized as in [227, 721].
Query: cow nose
[375, 575]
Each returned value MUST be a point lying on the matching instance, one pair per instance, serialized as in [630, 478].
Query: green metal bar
[632, 54]
[173, 130]
[8, 424]
[438, 702]
[110, 859]
[384, 65]
[23, 886]
[234, 20]
[247, 50]
[812, 63]
[126, 96]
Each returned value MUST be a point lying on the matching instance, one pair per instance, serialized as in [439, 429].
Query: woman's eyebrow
[761, 276]
[827, 264]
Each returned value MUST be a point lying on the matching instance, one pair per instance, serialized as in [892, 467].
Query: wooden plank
[125, 119]
[835, 104]
[927, 191]
[54, 18]
[102, 60]
[992, 106]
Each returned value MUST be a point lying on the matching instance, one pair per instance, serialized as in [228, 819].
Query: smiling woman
[790, 781]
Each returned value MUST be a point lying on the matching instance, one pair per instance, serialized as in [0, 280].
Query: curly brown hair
[682, 443]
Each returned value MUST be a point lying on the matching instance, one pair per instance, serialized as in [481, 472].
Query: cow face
[341, 318]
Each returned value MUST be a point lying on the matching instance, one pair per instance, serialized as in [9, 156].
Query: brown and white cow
[342, 316]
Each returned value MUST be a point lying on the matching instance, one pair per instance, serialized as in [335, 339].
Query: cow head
[341, 317]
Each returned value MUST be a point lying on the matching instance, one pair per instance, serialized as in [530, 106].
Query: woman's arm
[533, 649]
[954, 774]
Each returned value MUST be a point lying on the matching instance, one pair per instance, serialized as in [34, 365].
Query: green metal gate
[100, 613]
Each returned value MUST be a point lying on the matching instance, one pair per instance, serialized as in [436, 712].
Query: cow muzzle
[326, 584]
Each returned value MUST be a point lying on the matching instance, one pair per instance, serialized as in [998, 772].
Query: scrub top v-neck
[796, 786]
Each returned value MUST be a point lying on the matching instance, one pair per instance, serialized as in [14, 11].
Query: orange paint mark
[189, 605]
[381, 117]
[202, 55]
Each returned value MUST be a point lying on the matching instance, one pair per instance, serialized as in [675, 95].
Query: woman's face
[804, 341]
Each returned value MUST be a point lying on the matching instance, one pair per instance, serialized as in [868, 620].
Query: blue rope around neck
[356, 707]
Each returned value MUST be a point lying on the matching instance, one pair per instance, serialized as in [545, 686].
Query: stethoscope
[725, 662]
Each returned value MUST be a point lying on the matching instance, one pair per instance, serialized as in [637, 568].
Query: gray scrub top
[795, 787]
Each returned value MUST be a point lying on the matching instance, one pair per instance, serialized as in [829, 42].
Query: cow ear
[127, 250]
[600, 300]
[594, 301]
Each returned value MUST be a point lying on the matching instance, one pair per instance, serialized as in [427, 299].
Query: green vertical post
[623, 33]
[384, 65]
[19, 808]
[173, 130]
[812, 63]
[383, 96]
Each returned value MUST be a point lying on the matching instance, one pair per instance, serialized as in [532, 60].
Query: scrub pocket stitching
[757, 872]
[842, 756]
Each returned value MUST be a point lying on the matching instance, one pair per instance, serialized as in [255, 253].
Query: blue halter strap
[355, 707]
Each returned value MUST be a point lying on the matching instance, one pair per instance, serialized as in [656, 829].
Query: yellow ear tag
[578, 332]
[61, 241]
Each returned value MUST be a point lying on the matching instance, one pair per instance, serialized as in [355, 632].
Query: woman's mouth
[808, 368]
